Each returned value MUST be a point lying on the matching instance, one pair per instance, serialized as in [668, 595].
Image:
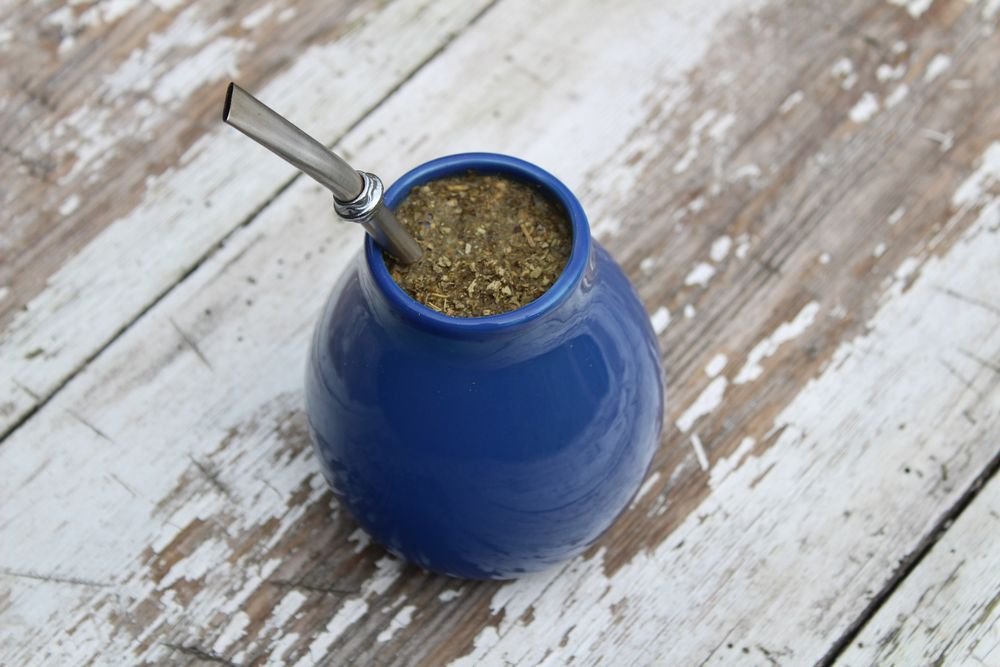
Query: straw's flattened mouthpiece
[273, 131]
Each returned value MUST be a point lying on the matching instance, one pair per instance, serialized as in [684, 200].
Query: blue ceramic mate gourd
[494, 446]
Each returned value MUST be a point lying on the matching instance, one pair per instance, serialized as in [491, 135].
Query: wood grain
[817, 248]
[148, 179]
[947, 611]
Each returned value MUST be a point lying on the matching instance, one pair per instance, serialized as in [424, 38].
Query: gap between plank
[911, 562]
[244, 223]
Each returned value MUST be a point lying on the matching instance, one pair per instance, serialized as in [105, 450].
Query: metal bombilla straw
[357, 195]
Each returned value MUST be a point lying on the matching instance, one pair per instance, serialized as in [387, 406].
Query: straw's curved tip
[229, 101]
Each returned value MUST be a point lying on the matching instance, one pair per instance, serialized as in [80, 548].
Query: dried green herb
[491, 244]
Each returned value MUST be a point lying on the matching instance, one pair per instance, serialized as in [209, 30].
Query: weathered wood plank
[189, 518]
[145, 180]
[947, 611]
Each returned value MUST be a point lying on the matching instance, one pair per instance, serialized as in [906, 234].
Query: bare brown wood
[831, 203]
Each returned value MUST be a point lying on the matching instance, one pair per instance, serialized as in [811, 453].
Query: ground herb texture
[491, 244]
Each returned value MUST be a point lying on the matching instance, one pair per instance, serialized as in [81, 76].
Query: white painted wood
[190, 422]
[794, 542]
[947, 611]
[97, 465]
[221, 180]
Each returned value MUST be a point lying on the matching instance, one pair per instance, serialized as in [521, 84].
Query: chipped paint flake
[896, 215]
[256, 18]
[716, 364]
[749, 171]
[402, 619]
[879, 250]
[973, 188]
[647, 264]
[721, 127]
[708, 400]
[360, 538]
[944, 140]
[699, 452]
[937, 66]
[742, 246]
[843, 69]
[449, 594]
[915, 8]
[700, 274]
[689, 311]
[285, 609]
[720, 248]
[234, 630]
[866, 107]
[69, 205]
[791, 102]
[787, 331]
[723, 467]
[646, 487]
[886, 72]
[824, 258]
[660, 320]
[897, 95]
[387, 570]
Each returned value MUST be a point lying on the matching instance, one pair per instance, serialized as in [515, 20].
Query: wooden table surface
[805, 194]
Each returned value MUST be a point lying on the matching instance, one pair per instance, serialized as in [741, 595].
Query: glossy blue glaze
[486, 447]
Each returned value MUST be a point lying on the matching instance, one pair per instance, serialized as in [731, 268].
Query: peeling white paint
[402, 619]
[360, 538]
[843, 69]
[990, 9]
[824, 258]
[689, 311]
[830, 493]
[647, 264]
[660, 320]
[938, 64]
[700, 274]
[749, 171]
[878, 250]
[69, 205]
[694, 140]
[896, 215]
[235, 630]
[716, 364]
[886, 72]
[897, 95]
[699, 452]
[387, 570]
[285, 609]
[708, 400]
[724, 466]
[866, 107]
[647, 485]
[915, 8]
[742, 246]
[791, 102]
[449, 594]
[720, 248]
[945, 140]
[785, 332]
[256, 18]
[906, 268]
[987, 174]
[721, 127]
